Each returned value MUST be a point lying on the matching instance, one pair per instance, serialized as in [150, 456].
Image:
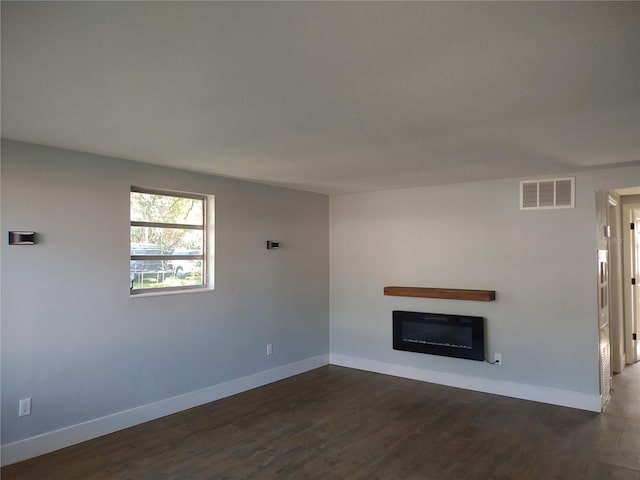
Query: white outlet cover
[24, 407]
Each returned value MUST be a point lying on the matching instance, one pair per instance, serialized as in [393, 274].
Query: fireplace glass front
[439, 334]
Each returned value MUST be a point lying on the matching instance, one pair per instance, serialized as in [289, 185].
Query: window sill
[172, 292]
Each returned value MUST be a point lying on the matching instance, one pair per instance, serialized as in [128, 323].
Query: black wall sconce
[272, 245]
[22, 238]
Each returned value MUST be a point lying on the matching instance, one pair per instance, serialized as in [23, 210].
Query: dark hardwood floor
[339, 423]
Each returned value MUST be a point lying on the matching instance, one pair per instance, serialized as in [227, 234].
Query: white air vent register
[550, 193]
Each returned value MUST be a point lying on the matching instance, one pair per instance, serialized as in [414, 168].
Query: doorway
[631, 279]
[622, 227]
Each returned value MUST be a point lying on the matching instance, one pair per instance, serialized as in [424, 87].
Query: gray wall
[473, 235]
[73, 339]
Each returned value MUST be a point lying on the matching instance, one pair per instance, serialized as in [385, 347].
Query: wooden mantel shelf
[446, 293]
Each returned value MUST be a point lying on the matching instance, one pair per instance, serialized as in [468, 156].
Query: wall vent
[551, 193]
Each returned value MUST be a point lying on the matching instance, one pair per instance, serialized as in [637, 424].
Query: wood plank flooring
[339, 423]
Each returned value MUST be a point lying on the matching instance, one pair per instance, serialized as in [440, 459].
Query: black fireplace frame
[476, 324]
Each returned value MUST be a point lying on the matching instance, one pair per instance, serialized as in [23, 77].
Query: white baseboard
[64, 437]
[554, 396]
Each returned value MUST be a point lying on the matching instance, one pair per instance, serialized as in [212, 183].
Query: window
[168, 237]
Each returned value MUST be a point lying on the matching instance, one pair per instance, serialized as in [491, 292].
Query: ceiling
[329, 97]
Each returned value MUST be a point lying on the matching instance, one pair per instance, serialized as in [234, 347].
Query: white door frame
[604, 336]
[616, 302]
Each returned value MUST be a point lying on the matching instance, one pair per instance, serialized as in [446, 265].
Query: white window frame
[205, 258]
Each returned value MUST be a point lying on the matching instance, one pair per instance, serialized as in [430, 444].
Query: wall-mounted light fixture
[22, 238]
[272, 245]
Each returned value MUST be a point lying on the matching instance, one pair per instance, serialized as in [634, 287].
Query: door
[631, 247]
[603, 324]
[635, 280]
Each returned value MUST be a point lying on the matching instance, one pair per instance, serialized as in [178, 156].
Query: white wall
[74, 340]
[473, 235]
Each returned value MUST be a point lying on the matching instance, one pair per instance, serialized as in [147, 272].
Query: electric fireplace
[439, 334]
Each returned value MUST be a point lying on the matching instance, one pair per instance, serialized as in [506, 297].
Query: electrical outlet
[25, 407]
[269, 349]
[497, 359]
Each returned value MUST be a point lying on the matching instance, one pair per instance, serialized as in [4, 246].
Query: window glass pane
[165, 241]
[162, 274]
[147, 207]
